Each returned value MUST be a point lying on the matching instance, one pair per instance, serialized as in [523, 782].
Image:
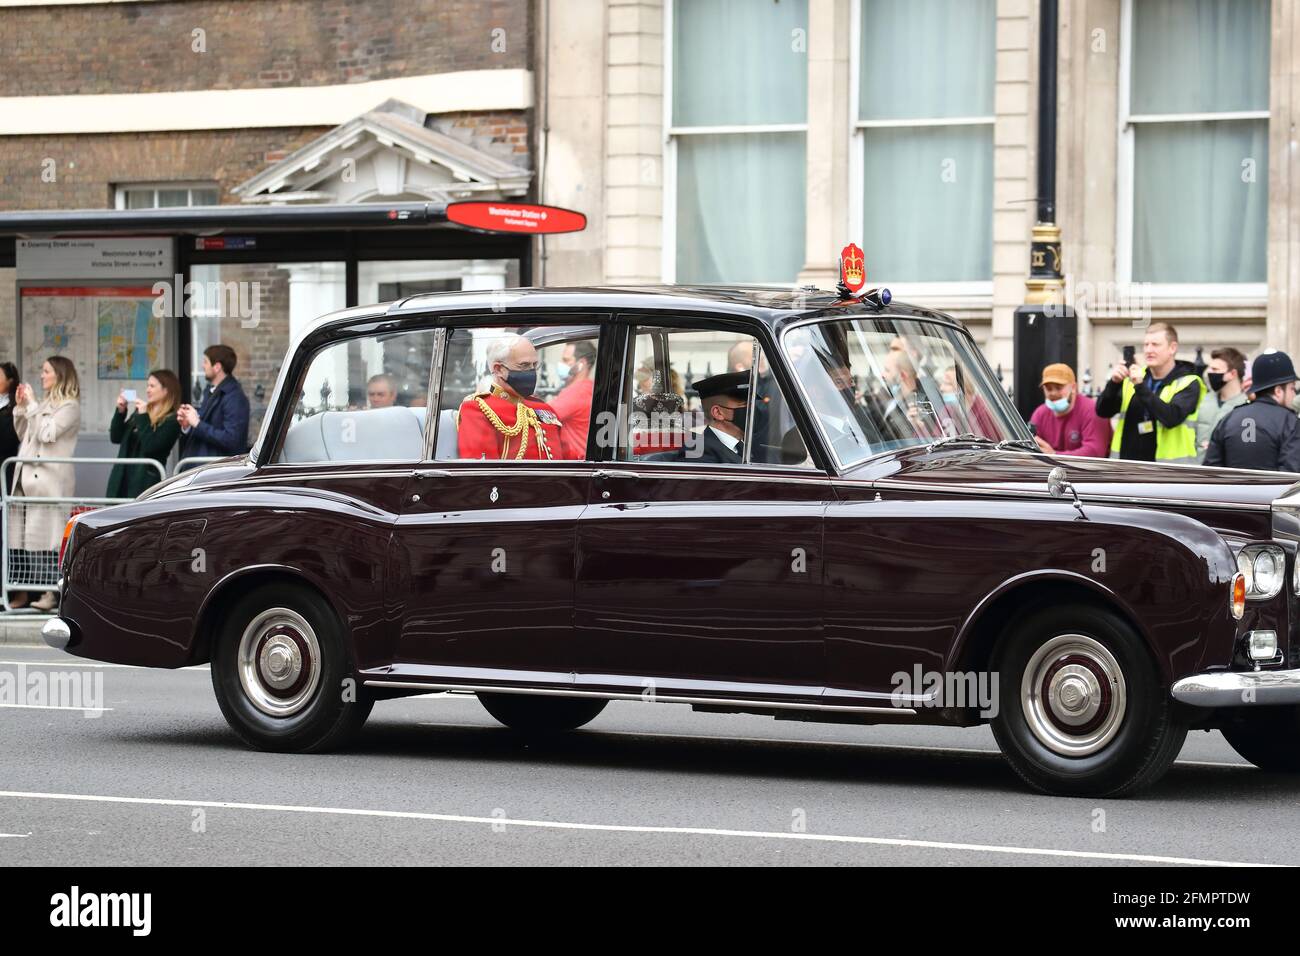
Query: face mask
[1216, 380]
[951, 398]
[1059, 404]
[523, 381]
[896, 389]
[738, 416]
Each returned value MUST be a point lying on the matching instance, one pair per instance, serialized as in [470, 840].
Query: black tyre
[1082, 710]
[282, 672]
[542, 715]
[1269, 737]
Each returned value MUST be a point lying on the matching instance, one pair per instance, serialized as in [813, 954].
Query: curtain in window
[740, 207]
[928, 204]
[926, 59]
[927, 190]
[1200, 189]
[740, 196]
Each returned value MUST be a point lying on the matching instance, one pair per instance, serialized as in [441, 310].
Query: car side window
[517, 393]
[362, 400]
[706, 396]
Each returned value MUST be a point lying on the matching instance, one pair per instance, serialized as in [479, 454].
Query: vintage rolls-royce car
[804, 505]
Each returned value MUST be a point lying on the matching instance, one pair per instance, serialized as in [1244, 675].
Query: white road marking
[78, 662]
[16, 836]
[93, 710]
[838, 743]
[626, 828]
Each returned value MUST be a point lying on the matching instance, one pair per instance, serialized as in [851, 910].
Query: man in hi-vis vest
[1157, 402]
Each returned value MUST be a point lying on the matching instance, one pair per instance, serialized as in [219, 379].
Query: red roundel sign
[853, 270]
[505, 216]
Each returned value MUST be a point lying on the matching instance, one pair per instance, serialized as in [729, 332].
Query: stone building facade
[629, 95]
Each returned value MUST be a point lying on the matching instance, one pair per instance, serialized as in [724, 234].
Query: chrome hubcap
[1073, 695]
[279, 662]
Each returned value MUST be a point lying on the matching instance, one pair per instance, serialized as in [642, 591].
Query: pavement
[154, 776]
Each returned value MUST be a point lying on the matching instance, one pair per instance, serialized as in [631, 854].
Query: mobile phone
[129, 395]
[1130, 355]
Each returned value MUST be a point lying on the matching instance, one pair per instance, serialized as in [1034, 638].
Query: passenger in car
[505, 421]
[381, 391]
[573, 403]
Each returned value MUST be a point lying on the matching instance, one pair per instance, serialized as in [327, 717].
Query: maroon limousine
[803, 505]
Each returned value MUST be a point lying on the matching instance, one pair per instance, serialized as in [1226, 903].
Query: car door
[695, 578]
[484, 548]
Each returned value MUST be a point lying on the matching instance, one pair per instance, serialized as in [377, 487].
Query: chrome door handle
[601, 474]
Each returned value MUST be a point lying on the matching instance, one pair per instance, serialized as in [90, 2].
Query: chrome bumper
[56, 633]
[1239, 688]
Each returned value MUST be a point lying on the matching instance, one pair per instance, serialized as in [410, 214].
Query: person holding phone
[1157, 402]
[144, 428]
[48, 429]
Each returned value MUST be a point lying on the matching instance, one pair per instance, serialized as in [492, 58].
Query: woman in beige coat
[47, 429]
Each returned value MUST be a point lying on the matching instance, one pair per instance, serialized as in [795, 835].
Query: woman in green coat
[149, 431]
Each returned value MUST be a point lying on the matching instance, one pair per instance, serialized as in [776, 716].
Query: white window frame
[673, 133]
[976, 292]
[121, 189]
[1254, 292]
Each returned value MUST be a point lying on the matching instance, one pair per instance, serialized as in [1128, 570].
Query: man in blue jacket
[219, 427]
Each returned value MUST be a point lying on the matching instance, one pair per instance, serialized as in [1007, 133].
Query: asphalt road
[157, 778]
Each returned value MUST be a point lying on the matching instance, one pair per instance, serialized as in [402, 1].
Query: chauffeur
[506, 421]
[725, 401]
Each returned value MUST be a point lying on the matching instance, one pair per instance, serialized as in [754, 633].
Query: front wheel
[540, 714]
[1081, 707]
[282, 672]
[1269, 737]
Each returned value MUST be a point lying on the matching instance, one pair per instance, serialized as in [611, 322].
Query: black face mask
[738, 417]
[523, 381]
[1215, 379]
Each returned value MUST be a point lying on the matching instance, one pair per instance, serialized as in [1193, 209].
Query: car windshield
[878, 384]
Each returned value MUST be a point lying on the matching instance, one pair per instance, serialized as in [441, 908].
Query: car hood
[1101, 479]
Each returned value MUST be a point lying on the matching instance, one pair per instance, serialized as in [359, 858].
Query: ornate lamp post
[1046, 329]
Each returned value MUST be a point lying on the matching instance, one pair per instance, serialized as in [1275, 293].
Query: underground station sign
[515, 217]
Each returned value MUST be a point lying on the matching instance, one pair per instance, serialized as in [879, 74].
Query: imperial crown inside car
[805, 505]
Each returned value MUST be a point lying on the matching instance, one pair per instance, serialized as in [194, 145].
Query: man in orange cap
[1067, 423]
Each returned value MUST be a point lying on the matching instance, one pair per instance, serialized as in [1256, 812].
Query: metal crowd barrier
[193, 461]
[22, 570]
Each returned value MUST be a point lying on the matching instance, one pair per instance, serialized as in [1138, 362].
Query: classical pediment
[387, 154]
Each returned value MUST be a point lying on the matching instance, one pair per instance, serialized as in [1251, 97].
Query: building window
[737, 126]
[165, 195]
[1195, 135]
[924, 131]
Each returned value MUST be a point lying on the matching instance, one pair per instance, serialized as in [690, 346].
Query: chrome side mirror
[1058, 486]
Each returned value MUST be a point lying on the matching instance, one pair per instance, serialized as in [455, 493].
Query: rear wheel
[1082, 710]
[538, 714]
[1269, 737]
[282, 672]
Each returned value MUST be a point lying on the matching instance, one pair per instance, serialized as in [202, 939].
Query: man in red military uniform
[506, 421]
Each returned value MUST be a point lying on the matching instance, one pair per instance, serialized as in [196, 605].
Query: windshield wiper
[966, 439]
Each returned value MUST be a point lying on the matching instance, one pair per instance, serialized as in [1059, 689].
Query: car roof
[775, 307]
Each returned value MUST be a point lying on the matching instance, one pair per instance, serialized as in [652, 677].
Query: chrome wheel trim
[1073, 695]
[279, 662]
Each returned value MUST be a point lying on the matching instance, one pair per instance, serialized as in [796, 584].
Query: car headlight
[1264, 566]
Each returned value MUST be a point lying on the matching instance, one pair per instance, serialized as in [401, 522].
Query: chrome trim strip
[433, 395]
[1239, 689]
[657, 698]
[986, 492]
